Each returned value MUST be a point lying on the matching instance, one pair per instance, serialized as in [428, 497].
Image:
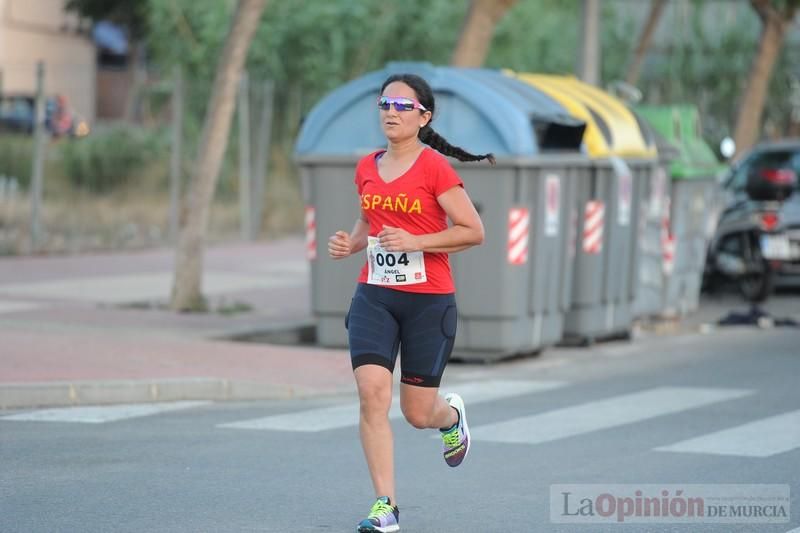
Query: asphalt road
[714, 409]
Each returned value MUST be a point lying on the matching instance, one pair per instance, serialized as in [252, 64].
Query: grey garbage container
[514, 289]
[689, 216]
[608, 203]
[653, 273]
[607, 251]
[515, 300]
[692, 221]
[651, 278]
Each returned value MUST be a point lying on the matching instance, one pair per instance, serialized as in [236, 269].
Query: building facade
[40, 30]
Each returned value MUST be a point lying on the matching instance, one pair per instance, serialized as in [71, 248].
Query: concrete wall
[33, 30]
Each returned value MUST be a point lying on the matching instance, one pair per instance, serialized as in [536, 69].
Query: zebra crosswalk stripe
[99, 414]
[761, 438]
[15, 306]
[602, 414]
[340, 416]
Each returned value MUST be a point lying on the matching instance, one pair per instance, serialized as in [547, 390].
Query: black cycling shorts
[381, 320]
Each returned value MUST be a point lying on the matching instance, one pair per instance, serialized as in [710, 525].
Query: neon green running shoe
[455, 441]
[384, 517]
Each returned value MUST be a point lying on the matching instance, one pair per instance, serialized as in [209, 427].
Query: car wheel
[756, 283]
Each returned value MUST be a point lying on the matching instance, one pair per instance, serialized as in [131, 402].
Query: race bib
[393, 268]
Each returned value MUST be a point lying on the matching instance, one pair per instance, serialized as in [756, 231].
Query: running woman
[405, 296]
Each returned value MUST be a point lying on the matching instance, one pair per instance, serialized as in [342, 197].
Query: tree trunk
[635, 68]
[187, 290]
[588, 67]
[751, 108]
[477, 31]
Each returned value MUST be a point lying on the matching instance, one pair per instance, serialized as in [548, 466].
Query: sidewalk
[92, 329]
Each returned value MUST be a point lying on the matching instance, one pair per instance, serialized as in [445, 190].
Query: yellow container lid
[611, 128]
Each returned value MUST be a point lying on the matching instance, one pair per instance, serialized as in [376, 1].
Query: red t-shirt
[409, 202]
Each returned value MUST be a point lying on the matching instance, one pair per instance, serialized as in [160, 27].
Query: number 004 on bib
[393, 268]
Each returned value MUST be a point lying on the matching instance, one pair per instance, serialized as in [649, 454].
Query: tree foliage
[776, 19]
[704, 57]
[537, 36]
[317, 47]
[311, 50]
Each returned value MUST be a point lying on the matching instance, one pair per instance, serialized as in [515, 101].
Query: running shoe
[455, 441]
[383, 517]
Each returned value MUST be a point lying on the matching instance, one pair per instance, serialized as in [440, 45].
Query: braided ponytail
[426, 133]
[440, 144]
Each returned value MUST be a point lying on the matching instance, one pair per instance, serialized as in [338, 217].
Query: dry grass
[135, 217]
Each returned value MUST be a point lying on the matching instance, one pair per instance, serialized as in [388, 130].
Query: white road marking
[602, 414]
[15, 306]
[100, 414]
[761, 438]
[347, 415]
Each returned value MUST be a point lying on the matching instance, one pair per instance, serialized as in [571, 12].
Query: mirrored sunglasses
[401, 103]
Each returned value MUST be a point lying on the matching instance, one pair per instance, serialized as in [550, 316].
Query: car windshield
[788, 158]
[778, 159]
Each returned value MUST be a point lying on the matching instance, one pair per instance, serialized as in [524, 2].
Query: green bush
[16, 158]
[110, 158]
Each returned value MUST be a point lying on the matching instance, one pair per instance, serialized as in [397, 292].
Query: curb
[292, 333]
[73, 393]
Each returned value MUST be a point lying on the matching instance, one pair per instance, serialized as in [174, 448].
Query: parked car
[17, 116]
[757, 191]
